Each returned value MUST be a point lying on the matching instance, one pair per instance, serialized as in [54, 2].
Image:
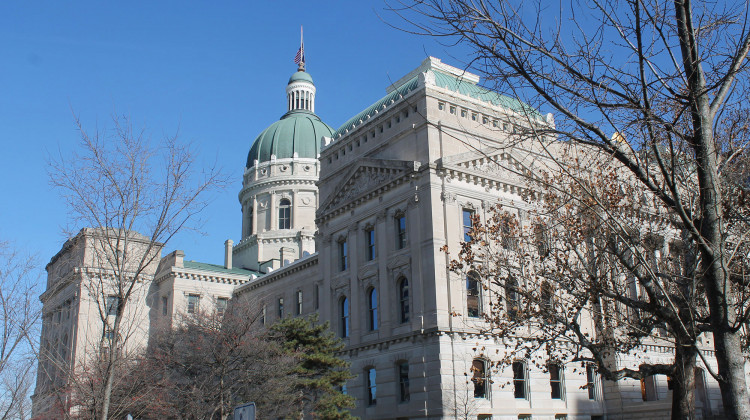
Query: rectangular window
[371, 387]
[401, 232]
[453, 110]
[520, 389]
[473, 295]
[299, 302]
[556, 381]
[113, 305]
[468, 222]
[263, 315]
[591, 381]
[463, 113]
[343, 256]
[370, 241]
[221, 306]
[316, 296]
[480, 378]
[281, 308]
[403, 381]
[649, 390]
[193, 304]
[473, 116]
[164, 305]
[524, 417]
[441, 106]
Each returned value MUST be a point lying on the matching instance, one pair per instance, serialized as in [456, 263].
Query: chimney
[228, 253]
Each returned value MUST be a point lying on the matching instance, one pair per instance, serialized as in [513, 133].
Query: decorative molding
[367, 270]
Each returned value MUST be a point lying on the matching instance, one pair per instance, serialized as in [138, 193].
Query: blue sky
[214, 70]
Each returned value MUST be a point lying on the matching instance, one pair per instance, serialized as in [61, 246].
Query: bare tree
[19, 316]
[136, 194]
[659, 74]
[211, 362]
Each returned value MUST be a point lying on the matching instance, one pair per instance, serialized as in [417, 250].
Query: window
[484, 120]
[400, 232]
[561, 417]
[113, 306]
[193, 304]
[520, 380]
[463, 113]
[473, 116]
[370, 240]
[591, 381]
[285, 214]
[371, 386]
[468, 222]
[263, 315]
[372, 300]
[547, 306]
[649, 390]
[403, 297]
[164, 305]
[403, 381]
[453, 110]
[221, 306]
[524, 417]
[281, 308]
[299, 302]
[512, 297]
[556, 381]
[480, 378]
[343, 258]
[316, 296]
[441, 106]
[250, 221]
[473, 295]
[344, 315]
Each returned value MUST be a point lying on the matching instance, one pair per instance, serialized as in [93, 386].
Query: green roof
[383, 103]
[297, 132]
[300, 76]
[219, 268]
[445, 81]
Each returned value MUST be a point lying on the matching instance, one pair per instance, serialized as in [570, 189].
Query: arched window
[547, 303]
[480, 377]
[473, 295]
[403, 299]
[372, 300]
[512, 298]
[285, 214]
[344, 315]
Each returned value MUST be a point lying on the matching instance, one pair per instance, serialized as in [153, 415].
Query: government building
[350, 223]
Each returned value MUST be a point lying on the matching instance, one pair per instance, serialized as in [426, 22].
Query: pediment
[367, 177]
[503, 164]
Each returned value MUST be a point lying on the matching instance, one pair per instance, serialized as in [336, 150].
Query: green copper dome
[300, 76]
[297, 132]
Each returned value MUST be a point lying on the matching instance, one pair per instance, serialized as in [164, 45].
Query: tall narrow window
[372, 299]
[556, 381]
[649, 390]
[250, 221]
[371, 387]
[403, 297]
[468, 222]
[299, 302]
[263, 315]
[473, 295]
[591, 381]
[316, 296]
[193, 304]
[401, 232]
[164, 305]
[520, 378]
[281, 308]
[343, 256]
[370, 241]
[113, 306]
[285, 214]
[221, 306]
[512, 297]
[344, 315]
[403, 381]
[547, 304]
[480, 378]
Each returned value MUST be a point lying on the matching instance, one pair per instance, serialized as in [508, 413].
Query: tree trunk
[683, 383]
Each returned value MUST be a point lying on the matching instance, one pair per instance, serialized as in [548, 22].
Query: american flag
[300, 57]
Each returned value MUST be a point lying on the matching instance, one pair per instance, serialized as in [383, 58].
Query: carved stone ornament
[362, 182]
[398, 262]
[366, 271]
[263, 203]
[448, 197]
[306, 200]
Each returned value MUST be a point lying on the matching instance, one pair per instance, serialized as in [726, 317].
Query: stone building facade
[350, 224]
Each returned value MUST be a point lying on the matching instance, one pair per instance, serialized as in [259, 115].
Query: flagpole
[302, 47]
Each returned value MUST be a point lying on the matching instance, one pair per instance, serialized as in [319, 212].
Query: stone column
[355, 307]
[383, 244]
[254, 227]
